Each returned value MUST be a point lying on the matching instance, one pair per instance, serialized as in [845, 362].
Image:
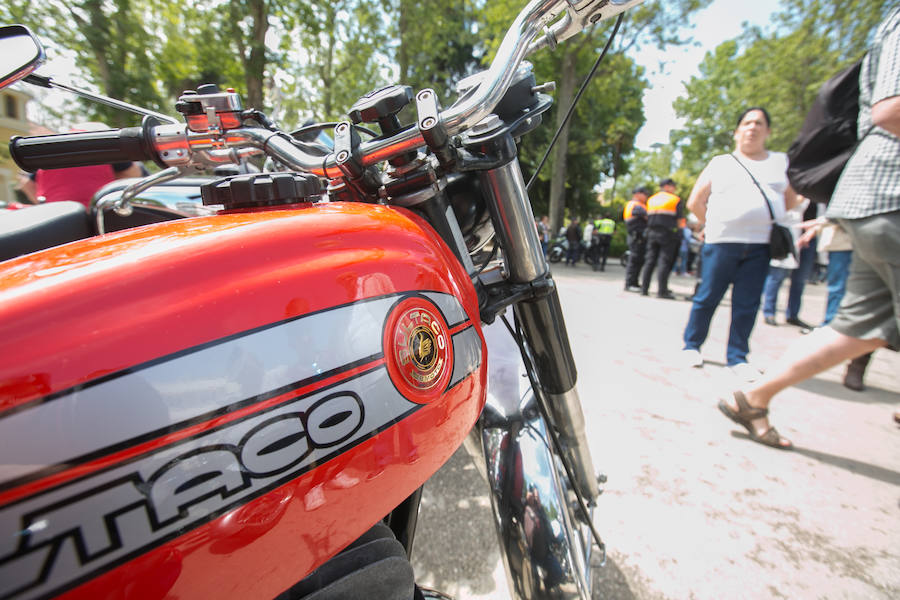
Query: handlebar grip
[81, 149]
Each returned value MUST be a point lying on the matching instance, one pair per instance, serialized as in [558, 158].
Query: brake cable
[330, 125]
[571, 110]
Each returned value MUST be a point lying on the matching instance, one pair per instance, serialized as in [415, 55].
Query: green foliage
[648, 168]
[438, 43]
[601, 138]
[781, 69]
[606, 121]
[661, 23]
[193, 51]
[299, 59]
[336, 54]
[114, 50]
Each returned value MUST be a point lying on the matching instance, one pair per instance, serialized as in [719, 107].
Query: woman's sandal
[746, 414]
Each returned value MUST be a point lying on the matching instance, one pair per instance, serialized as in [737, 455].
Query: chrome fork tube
[514, 222]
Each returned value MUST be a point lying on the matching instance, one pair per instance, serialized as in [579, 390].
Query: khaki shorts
[871, 307]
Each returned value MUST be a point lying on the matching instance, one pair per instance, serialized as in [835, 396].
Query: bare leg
[819, 351]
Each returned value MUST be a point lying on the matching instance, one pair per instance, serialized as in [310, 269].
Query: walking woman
[730, 197]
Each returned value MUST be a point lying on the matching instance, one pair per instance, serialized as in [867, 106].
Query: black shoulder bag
[781, 241]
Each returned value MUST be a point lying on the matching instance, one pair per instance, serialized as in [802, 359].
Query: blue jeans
[742, 266]
[683, 252]
[799, 277]
[838, 269]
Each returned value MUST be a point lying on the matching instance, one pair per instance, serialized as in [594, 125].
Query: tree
[614, 97]
[112, 46]
[193, 50]
[147, 52]
[605, 123]
[437, 43]
[781, 69]
[337, 54]
[648, 168]
[246, 24]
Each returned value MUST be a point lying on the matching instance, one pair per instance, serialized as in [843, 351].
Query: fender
[542, 545]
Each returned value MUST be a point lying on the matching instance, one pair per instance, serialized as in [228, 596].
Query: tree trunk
[558, 178]
[403, 50]
[255, 61]
[326, 70]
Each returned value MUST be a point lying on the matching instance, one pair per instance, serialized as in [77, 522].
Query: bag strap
[756, 183]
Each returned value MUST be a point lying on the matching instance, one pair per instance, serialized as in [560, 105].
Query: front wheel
[555, 255]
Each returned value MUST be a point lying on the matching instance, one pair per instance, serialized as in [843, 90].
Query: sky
[719, 22]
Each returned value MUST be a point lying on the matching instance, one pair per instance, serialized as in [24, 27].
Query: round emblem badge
[417, 347]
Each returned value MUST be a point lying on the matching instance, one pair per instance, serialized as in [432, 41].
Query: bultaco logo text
[73, 531]
[418, 349]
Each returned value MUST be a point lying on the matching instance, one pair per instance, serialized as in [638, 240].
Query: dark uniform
[635, 217]
[665, 213]
[573, 236]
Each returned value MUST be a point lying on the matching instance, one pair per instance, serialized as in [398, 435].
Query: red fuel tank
[213, 407]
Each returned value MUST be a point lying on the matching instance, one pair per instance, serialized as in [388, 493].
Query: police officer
[603, 232]
[635, 217]
[665, 218]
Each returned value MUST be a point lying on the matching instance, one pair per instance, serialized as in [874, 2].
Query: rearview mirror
[20, 53]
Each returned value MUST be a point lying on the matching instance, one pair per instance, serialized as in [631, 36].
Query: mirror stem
[46, 82]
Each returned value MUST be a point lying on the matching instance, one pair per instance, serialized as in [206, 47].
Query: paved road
[693, 509]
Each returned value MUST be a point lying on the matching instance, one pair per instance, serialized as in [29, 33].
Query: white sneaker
[745, 372]
[692, 358]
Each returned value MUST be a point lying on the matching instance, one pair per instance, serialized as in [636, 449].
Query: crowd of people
[733, 205]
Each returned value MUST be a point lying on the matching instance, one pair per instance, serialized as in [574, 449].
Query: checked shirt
[870, 183]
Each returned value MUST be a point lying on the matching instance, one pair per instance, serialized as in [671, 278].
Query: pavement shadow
[842, 462]
[836, 389]
[609, 581]
[456, 545]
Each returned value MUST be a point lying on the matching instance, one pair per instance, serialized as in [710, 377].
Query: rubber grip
[81, 149]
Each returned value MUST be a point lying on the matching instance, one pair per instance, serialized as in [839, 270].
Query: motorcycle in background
[558, 249]
[247, 404]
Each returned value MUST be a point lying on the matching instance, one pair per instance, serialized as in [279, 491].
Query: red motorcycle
[247, 405]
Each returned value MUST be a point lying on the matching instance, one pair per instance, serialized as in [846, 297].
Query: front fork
[541, 318]
[545, 540]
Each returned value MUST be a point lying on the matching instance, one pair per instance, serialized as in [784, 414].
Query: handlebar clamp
[432, 127]
[346, 156]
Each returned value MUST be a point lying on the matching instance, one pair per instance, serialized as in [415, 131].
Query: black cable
[490, 257]
[557, 445]
[568, 116]
[329, 125]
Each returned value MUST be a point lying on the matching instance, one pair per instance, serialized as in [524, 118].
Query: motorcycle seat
[43, 226]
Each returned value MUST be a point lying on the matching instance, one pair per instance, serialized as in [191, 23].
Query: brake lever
[580, 14]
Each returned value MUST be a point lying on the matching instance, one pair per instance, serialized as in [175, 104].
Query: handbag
[781, 240]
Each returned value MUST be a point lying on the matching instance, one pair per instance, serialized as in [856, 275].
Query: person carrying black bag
[866, 204]
[739, 197]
